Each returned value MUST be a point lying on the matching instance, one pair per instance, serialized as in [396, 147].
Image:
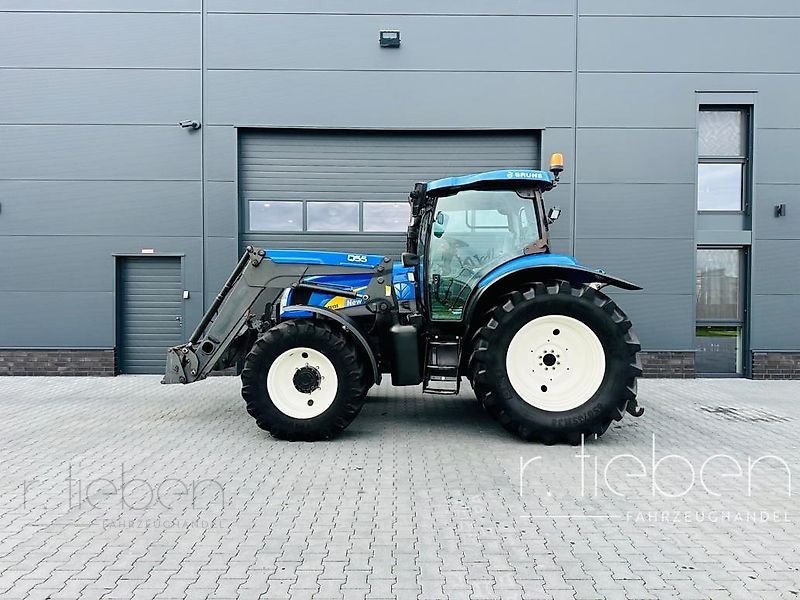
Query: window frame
[304, 228]
[744, 160]
[307, 205]
[248, 220]
[744, 367]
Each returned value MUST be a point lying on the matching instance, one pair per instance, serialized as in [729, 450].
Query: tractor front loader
[478, 293]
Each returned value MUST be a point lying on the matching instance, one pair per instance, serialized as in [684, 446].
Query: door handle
[179, 318]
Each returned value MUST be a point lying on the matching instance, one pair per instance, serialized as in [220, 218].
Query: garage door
[346, 190]
[150, 312]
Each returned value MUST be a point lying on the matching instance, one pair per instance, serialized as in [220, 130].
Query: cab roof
[491, 180]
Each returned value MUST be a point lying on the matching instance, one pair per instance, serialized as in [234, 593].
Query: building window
[332, 216]
[720, 310]
[265, 216]
[722, 169]
[386, 216]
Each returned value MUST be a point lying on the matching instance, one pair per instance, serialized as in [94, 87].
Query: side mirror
[553, 215]
[410, 259]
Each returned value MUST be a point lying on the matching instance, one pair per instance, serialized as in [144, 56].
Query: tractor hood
[507, 179]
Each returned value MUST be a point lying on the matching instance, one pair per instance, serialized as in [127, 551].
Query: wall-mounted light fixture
[780, 210]
[390, 39]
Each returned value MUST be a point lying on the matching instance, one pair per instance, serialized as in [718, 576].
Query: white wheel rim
[555, 363]
[294, 402]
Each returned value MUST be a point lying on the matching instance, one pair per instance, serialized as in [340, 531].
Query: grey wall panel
[386, 99]
[766, 225]
[221, 209]
[776, 161]
[350, 42]
[132, 40]
[62, 319]
[661, 321]
[101, 5]
[774, 267]
[390, 8]
[221, 256]
[722, 8]
[98, 96]
[98, 152]
[676, 44]
[220, 153]
[82, 263]
[620, 210]
[775, 325]
[659, 266]
[560, 245]
[670, 100]
[637, 155]
[147, 208]
[629, 100]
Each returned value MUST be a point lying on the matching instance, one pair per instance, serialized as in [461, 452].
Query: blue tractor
[478, 293]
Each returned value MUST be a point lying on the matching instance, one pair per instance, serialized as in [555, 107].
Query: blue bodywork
[402, 277]
[524, 262]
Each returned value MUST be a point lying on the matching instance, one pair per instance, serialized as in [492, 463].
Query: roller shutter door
[150, 312]
[287, 179]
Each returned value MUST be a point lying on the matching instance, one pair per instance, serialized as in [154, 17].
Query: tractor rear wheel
[304, 381]
[556, 362]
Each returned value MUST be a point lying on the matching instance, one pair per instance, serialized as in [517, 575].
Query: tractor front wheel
[304, 381]
[555, 362]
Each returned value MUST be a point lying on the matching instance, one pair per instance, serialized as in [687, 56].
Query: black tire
[616, 392]
[352, 380]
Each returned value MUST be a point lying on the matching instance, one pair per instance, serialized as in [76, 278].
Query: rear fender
[302, 311]
[493, 286]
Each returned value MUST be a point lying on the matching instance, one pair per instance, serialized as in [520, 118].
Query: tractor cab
[464, 228]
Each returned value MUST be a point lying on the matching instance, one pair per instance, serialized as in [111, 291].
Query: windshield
[472, 233]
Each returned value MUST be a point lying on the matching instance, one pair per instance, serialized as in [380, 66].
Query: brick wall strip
[57, 362]
[672, 365]
[776, 365]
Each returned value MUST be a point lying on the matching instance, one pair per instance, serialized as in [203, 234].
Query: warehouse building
[144, 142]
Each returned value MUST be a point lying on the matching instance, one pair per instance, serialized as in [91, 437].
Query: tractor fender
[302, 311]
[544, 267]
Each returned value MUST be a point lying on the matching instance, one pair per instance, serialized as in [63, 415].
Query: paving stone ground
[122, 488]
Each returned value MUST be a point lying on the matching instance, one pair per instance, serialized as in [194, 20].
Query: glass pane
[719, 284]
[718, 350]
[273, 215]
[333, 216]
[719, 186]
[386, 216]
[722, 133]
[467, 242]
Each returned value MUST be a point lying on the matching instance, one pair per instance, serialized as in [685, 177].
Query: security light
[390, 39]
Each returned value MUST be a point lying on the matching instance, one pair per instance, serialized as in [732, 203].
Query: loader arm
[253, 287]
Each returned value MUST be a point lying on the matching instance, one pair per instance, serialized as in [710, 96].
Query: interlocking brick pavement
[123, 488]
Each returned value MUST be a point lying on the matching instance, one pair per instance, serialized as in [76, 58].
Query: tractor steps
[441, 367]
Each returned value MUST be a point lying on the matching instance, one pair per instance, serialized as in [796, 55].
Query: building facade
[678, 121]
